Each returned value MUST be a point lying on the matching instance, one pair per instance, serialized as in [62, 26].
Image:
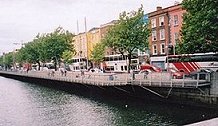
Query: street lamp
[4, 60]
[167, 57]
[80, 55]
[16, 43]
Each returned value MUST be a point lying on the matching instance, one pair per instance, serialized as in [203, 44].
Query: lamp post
[80, 55]
[4, 60]
[167, 55]
[16, 43]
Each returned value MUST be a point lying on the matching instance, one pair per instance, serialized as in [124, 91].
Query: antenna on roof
[77, 24]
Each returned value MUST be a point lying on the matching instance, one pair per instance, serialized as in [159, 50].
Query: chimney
[159, 8]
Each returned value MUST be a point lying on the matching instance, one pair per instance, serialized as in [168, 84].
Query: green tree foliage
[97, 54]
[56, 43]
[1, 61]
[7, 59]
[47, 47]
[200, 27]
[130, 33]
[67, 56]
[30, 53]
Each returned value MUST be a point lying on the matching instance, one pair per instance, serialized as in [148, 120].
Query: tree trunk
[39, 66]
[129, 62]
[55, 65]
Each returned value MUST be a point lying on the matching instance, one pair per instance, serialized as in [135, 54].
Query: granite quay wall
[204, 95]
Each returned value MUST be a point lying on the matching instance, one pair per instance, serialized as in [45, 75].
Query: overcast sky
[21, 20]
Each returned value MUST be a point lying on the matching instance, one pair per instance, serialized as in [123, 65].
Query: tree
[55, 44]
[97, 54]
[31, 52]
[47, 47]
[128, 34]
[200, 27]
[67, 56]
[8, 61]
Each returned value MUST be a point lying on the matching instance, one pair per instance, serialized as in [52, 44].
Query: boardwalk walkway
[211, 122]
[112, 79]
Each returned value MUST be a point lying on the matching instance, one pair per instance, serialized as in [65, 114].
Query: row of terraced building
[165, 25]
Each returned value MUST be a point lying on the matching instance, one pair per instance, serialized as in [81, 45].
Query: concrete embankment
[206, 96]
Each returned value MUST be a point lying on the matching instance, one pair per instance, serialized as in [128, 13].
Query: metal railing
[163, 79]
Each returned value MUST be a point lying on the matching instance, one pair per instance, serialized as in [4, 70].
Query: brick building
[165, 25]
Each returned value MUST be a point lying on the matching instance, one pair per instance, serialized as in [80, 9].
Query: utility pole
[167, 48]
[87, 47]
[79, 53]
[14, 58]
[4, 60]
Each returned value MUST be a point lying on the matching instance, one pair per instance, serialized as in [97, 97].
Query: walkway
[112, 79]
[211, 122]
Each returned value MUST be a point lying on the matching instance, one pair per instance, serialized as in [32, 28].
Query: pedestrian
[82, 73]
[111, 77]
[65, 73]
[132, 75]
[52, 73]
[145, 74]
[62, 72]
[27, 70]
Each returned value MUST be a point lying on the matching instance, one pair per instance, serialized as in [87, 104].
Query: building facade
[165, 25]
[93, 37]
[175, 22]
[159, 26]
[80, 44]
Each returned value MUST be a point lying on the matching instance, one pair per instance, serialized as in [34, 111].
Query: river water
[26, 104]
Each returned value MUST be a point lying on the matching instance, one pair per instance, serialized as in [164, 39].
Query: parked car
[150, 67]
[176, 74]
[145, 71]
[96, 70]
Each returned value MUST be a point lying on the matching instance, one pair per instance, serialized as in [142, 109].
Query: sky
[22, 20]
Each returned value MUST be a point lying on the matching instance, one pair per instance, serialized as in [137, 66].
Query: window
[154, 49]
[162, 47]
[154, 35]
[153, 23]
[176, 36]
[162, 34]
[121, 68]
[161, 21]
[176, 20]
[125, 67]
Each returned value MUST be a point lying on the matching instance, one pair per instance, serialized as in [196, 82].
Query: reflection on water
[24, 104]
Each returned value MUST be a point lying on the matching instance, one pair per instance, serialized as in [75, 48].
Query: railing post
[150, 79]
[71, 76]
[160, 79]
[208, 74]
[198, 79]
[183, 81]
[113, 78]
[94, 78]
[171, 82]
